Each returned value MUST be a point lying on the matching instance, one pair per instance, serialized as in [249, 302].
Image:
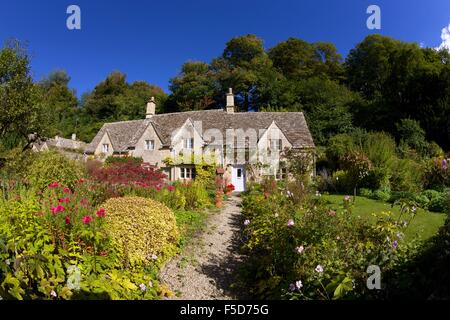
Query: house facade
[234, 141]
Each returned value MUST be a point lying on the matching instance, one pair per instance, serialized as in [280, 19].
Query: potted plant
[229, 189]
[219, 197]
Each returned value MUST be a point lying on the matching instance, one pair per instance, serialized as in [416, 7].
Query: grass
[424, 225]
[189, 222]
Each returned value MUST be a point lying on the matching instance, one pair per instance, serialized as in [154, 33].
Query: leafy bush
[111, 159]
[437, 174]
[309, 251]
[195, 194]
[440, 203]
[51, 166]
[142, 229]
[406, 175]
[381, 195]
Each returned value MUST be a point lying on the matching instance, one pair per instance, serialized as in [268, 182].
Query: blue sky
[149, 40]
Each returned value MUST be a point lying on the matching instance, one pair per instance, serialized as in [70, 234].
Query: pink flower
[319, 269]
[53, 185]
[347, 198]
[86, 219]
[57, 209]
[67, 190]
[64, 200]
[299, 249]
[101, 213]
[290, 223]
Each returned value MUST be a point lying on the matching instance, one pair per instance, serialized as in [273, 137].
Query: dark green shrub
[111, 159]
[381, 195]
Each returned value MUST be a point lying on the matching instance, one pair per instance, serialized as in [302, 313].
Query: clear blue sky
[149, 40]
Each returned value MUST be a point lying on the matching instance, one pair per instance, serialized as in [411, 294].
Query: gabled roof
[126, 134]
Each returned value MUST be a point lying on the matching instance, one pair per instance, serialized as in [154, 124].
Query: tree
[20, 101]
[60, 104]
[241, 66]
[194, 88]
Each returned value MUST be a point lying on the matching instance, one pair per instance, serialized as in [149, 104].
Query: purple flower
[319, 268]
[143, 287]
[290, 223]
[395, 244]
[444, 164]
[292, 287]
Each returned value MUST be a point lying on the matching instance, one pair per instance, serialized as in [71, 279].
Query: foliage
[437, 174]
[143, 229]
[307, 251]
[20, 100]
[51, 166]
[111, 159]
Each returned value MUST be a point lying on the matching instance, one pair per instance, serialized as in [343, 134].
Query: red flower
[170, 188]
[64, 200]
[101, 213]
[67, 190]
[57, 209]
[67, 219]
[53, 185]
[158, 188]
[86, 219]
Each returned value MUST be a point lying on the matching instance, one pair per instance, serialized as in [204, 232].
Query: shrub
[142, 229]
[440, 203]
[406, 175]
[129, 174]
[52, 166]
[195, 194]
[381, 195]
[437, 174]
[111, 159]
[364, 192]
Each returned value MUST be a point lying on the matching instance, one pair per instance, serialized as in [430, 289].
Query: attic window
[105, 148]
[275, 144]
[188, 143]
[149, 144]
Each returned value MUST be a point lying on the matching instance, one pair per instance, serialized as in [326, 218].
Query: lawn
[424, 225]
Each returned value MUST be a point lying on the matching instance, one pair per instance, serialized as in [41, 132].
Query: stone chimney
[151, 108]
[74, 136]
[230, 101]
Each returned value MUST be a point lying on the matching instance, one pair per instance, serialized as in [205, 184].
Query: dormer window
[105, 148]
[149, 144]
[188, 143]
[275, 144]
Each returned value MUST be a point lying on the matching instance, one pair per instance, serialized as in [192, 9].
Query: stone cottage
[234, 141]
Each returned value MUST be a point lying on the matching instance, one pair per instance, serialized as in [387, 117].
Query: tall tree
[194, 88]
[20, 100]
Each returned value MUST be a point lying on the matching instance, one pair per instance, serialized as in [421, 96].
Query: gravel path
[205, 270]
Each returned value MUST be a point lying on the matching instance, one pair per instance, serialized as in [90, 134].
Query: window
[275, 144]
[105, 147]
[281, 174]
[187, 173]
[239, 173]
[149, 144]
[188, 143]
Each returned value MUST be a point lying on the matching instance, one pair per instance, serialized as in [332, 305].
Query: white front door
[238, 178]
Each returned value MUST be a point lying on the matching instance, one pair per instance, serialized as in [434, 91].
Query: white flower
[298, 284]
[150, 284]
[53, 294]
[143, 287]
[319, 268]
[7, 261]
[276, 215]
[154, 257]
[300, 249]
[246, 222]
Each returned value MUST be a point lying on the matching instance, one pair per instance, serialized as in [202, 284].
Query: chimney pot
[230, 101]
[151, 108]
